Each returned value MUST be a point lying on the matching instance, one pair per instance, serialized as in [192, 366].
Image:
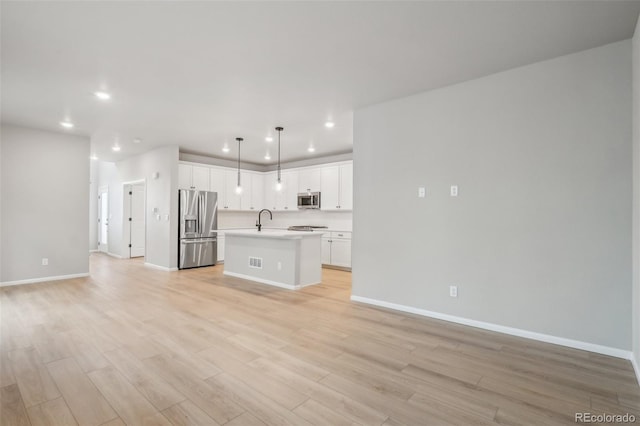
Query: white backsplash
[340, 221]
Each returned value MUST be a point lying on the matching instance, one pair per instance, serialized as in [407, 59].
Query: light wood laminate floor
[137, 346]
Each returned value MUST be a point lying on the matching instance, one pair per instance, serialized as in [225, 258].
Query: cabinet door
[309, 180]
[325, 250]
[341, 252]
[232, 198]
[216, 184]
[184, 176]
[346, 187]
[290, 190]
[247, 190]
[270, 191]
[200, 178]
[330, 186]
[220, 248]
[257, 191]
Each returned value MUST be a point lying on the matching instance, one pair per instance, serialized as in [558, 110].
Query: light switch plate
[454, 190]
[453, 290]
[422, 192]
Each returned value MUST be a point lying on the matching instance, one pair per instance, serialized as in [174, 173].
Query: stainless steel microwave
[309, 200]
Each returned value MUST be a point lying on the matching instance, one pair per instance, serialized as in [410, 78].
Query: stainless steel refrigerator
[197, 238]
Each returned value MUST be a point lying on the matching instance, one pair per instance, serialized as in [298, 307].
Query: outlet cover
[45, 261]
[422, 192]
[453, 290]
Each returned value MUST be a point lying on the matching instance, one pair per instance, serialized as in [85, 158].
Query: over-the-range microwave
[309, 200]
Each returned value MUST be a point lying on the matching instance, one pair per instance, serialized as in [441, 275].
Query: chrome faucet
[258, 224]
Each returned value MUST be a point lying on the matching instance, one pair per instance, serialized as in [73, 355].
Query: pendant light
[239, 188]
[279, 182]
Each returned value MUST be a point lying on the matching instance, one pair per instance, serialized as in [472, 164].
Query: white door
[257, 191]
[216, 184]
[184, 176]
[326, 251]
[232, 197]
[137, 228]
[103, 220]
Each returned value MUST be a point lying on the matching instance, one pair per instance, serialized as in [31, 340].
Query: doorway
[103, 219]
[134, 218]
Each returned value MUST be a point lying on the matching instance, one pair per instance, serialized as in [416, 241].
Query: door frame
[126, 211]
[104, 248]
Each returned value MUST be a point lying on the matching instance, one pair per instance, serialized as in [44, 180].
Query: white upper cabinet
[193, 177]
[335, 182]
[309, 180]
[184, 176]
[257, 191]
[287, 198]
[217, 184]
[270, 190]
[233, 200]
[346, 187]
[337, 187]
[200, 178]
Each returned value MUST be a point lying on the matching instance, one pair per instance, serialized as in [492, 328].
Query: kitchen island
[288, 259]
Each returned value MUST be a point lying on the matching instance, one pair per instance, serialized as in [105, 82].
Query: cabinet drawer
[343, 235]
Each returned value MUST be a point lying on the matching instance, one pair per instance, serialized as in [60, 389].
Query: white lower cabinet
[220, 247]
[336, 249]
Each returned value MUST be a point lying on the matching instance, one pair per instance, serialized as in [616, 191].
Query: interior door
[137, 229]
[103, 220]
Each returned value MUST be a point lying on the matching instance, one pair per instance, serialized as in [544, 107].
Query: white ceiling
[199, 74]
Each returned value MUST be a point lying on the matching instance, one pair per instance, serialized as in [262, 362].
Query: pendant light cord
[239, 140]
[279, 129]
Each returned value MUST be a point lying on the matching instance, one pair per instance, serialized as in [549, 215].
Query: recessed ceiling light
[103, 96]
[137, 140]
[268, 139]
[329, 124]
[66, 124]
[116, 148]
[225, 149]
[311, 149]
[93, 157]
[267, 157]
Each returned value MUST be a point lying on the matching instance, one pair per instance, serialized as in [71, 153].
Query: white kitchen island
[288, 259]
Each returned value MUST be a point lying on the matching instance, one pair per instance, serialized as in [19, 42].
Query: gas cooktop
[305, 228]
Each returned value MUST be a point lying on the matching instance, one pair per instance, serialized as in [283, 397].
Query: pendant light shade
[279, 181]
[239, 187]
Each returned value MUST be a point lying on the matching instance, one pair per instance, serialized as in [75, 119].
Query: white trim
[586, 346]
[94, 251]
[117, 256]
[162, 268]
[635, 367]
[264, 281]
[43, 279]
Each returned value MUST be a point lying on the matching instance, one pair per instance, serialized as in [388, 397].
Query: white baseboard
[635, 368]
[43, 279]
[117, 256]
[162, 268]
[93, 251]
[264, 281]
[591, 347]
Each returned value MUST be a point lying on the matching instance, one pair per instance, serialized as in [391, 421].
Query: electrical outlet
[422, 191]
[45, 261]
[454, 190]
[453, 290]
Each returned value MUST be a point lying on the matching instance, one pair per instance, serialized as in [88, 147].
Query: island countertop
[273, 233]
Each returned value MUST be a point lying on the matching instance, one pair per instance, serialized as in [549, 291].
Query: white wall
[162, 235]
[539, 238]
[93, 205]
[636, 200]
[45, 204]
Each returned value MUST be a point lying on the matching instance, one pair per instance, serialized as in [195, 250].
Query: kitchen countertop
[317, 231]
[271, 233]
